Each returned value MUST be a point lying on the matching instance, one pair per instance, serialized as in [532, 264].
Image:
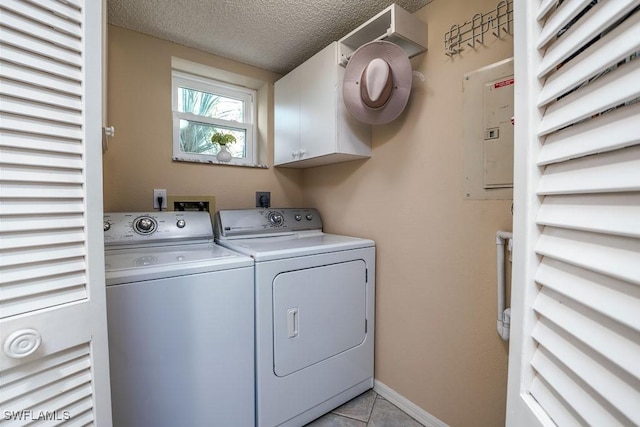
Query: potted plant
[223, 139]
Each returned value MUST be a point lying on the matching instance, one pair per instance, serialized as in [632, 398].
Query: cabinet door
[53, 333]
[575, 327]
[287, 118]
[318, 86]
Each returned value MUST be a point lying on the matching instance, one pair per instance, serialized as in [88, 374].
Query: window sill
[217, 162]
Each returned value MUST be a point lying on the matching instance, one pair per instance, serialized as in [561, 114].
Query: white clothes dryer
[181, 323]
[315, 300]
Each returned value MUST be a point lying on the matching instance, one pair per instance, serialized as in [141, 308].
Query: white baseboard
[407, 406]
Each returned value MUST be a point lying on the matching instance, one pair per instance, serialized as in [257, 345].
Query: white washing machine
[181, 323]
[315, 298]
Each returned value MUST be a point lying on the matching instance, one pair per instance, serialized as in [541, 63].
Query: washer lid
[136, 264]
[295, 244]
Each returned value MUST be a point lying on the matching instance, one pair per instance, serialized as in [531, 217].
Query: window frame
[181, 79]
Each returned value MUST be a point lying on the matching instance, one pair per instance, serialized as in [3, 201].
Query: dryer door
[317, 313]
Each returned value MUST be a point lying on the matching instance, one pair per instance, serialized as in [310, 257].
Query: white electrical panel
[498, 133]
[488, 132]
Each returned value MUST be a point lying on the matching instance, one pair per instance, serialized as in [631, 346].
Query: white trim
[522, 410]
[93, 81]
[407, 406]
[202, 70]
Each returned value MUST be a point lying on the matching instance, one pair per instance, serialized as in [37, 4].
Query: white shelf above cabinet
[394, 24]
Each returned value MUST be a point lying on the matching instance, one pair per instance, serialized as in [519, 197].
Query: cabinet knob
[298, 153]
[22, 343]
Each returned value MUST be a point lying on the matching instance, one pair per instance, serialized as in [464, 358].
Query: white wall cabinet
[312, 125]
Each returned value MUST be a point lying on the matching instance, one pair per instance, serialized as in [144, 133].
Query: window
[203, 107]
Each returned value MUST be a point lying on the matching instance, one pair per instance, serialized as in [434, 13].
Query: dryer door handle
[292, 322]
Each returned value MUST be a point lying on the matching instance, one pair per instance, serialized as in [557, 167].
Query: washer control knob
[181, 223]
[276, 218]
[298, 217]
[309, 217]
[106, 226]
[145, 225]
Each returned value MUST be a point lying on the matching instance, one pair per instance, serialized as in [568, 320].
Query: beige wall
[139, 157]
[436, 340]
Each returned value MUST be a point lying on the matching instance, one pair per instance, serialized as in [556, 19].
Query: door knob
[22, 343]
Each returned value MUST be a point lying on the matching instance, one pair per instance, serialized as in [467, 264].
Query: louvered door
[575, 348]
[53, 342]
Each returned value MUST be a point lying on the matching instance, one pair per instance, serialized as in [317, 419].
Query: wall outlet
[159, 193]
[263, 199]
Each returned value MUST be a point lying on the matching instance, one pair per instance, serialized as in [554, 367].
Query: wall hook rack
[499, 21]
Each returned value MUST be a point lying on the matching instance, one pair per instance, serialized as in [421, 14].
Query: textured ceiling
[276, 35]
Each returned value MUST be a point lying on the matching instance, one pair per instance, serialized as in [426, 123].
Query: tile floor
[367, 410]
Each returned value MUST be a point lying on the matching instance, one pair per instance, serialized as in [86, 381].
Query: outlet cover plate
[160, 193]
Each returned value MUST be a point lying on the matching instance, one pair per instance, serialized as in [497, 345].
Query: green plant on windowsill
[223, 139]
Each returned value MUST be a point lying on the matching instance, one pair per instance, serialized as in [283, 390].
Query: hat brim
[401, 71]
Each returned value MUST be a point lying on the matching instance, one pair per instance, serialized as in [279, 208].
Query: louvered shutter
[576, 359]
[51, 259]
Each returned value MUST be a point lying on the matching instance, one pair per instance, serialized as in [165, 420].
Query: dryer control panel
[246, 222]
[123, 228]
